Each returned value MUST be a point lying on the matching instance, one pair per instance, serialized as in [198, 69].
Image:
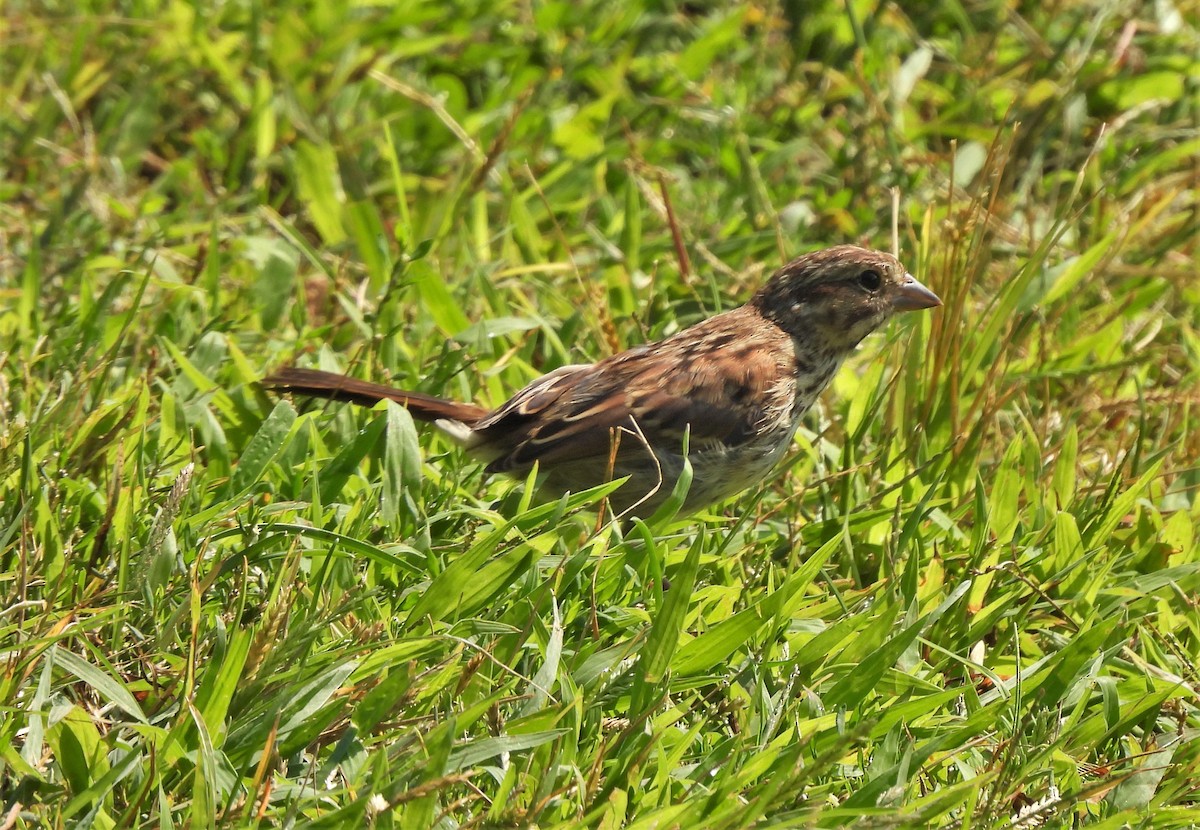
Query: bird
[732, 389]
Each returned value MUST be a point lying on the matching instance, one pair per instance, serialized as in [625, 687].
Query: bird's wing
[718, 389]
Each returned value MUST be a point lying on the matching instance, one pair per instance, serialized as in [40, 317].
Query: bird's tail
[317, 384]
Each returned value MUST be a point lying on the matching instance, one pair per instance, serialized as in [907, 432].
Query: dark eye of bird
[870, 280]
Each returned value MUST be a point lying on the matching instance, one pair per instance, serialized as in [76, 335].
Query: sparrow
[732, 388]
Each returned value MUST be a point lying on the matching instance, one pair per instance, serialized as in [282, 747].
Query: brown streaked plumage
[736, 384]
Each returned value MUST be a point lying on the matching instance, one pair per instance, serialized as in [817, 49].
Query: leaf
[1137, 790]
[581, 133]
[1064, 468]
[337, 472]
[276, 262]
[279, 533]
[79, 750]
[316, 174]
[721, 34]
[305, 710]
[1178, 533]
[479, 751]
[463, 584]
[370, 239]
[477, 334]
[543, 682]
[1068, 544]
[220, 681]
[401, 460]
[663, 638]
[1005, 498]
[102, 787]
[477, 589]
[968, 161]
[1100, 530]
[858, 682]
[714, 646]
[1060, 672]
[263, 448]
[204, 385]
[1066, 276]
[107, 686]
[436, 298]
[382, 699]
[204, 787]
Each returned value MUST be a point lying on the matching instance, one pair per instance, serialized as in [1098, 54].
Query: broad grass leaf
[668, 816]
[485, 748]
[370, 238]
[1183, 577]
[306, 713]
[481, 587]
[1064, 468]
[1068, 544]
[1137, 790]
[383, 699]
[856, 684]
[914, 68]
[479, 333]
[1131, 90]
[821, 648]
[542, 683]
[716, 645]
[203, 384]
[1141, 704]
[436, 298]
[126, 764]
[436, 746]
[78, 749]
[663, 638]
[107, 686]
[1001, 314]
[263, 448]
[316, 168]
[280, 533]
[277, 263]
[463, 585]
[337, 472]
[203, 811]
[401, 461]
[721, 33]
[1069, 274]
[1178, 533]
[580, 131]
[1004, 501]
[1100, 530]
[911, 712]
[670, 508]
[968, 161]
[1060, 672]
[392, 654]
[38, 706]
[220, 680]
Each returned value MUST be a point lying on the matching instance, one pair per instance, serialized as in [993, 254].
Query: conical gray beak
[910, 295]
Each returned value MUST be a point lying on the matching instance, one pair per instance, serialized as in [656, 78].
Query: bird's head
[840, 295]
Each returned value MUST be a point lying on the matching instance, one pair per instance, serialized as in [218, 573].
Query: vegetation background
[970, 598]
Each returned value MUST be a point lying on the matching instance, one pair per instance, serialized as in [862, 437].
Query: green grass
[971, 589]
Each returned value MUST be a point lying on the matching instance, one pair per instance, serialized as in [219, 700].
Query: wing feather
[719, 396]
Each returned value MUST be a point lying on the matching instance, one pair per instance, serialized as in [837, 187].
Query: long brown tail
[318, 384]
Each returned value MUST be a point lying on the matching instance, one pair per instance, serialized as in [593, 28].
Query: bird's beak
[912, 296]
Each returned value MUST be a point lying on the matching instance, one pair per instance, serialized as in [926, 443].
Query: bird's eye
[870, 280]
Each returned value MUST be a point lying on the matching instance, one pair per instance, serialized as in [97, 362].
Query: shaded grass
[971, 592]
